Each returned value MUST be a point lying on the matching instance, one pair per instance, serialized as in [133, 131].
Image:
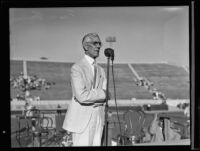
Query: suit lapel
[89, 73]
[88, 70]
[98, 76]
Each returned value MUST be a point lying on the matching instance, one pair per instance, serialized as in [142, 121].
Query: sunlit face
[92, 45]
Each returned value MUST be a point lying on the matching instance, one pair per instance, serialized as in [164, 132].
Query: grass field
[171, 80]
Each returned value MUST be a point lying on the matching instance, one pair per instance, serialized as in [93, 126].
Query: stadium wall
[53, 104]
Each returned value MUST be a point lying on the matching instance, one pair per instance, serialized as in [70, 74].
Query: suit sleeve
[104, 80]
[82, 94]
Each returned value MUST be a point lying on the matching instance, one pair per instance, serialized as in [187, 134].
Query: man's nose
[98, 45]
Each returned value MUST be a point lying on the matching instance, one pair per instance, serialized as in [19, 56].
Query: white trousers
[91, 136]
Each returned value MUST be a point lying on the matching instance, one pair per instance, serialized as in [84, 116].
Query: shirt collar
[89, 59]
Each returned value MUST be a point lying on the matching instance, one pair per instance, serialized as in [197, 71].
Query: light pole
[110, 40]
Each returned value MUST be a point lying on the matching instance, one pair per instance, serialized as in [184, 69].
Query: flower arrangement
[66, 140]
[185, 107]
[26, 84]
[29, 83]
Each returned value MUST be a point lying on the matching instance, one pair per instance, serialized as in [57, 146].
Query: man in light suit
[85, 115]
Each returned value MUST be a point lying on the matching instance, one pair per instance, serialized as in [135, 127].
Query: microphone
[109, 53]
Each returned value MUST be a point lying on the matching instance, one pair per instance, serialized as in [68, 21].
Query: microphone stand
[106, 105]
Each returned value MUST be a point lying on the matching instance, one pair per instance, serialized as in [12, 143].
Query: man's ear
[85, 46]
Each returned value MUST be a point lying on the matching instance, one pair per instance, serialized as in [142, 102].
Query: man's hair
[88, 37]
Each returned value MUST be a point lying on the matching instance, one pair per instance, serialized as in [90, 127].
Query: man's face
[93, 46]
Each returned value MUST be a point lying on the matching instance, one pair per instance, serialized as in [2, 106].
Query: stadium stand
[171, 80]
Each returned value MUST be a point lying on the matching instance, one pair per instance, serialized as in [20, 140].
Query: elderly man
[85, 115]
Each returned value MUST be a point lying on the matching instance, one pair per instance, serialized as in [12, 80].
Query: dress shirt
[91, 61]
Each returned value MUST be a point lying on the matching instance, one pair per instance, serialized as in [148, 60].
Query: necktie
[95, 74]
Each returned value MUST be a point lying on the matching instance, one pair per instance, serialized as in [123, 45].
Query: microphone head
[109, 53]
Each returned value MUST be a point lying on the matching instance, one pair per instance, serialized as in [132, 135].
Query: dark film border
[194, 53]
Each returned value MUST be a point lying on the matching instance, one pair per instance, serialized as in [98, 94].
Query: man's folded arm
[82, 94]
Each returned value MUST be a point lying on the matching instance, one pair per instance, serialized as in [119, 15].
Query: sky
[143, 34]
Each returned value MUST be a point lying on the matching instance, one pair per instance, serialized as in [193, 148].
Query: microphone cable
[115, 100]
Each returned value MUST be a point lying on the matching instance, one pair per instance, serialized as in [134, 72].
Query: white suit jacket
[83, 96]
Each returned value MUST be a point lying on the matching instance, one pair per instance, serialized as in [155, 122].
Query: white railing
[53, 104]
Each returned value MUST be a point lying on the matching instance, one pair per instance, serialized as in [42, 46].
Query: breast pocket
[87, 81]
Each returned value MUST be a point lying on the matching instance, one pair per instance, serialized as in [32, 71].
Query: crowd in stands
[157, 95]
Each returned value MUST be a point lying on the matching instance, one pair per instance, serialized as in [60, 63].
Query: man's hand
[109, 94]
